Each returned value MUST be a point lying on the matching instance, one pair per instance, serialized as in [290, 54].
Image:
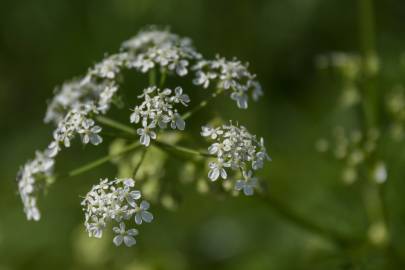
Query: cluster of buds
[354, 149]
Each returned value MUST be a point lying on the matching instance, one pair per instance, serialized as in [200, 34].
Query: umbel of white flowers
[236, 149]
[157, 111]
[117, 202]
[77, 104]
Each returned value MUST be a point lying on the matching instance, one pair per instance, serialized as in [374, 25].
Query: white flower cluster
[154, 48]
[42, 165]
[157, 111]
[75, 103]
[231, 76]
[235, 148]
[115, 201]
[354, 149]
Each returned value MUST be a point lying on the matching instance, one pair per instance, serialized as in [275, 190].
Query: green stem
[101, 161]
[115, 124]
[369, 62]
[180, 149]
[201, 105]
[163, 76]
[329, 234]
[152, 77]
[373, 194]
[139, 163]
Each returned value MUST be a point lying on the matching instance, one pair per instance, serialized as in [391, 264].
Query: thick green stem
[373, 192]
[369, 63]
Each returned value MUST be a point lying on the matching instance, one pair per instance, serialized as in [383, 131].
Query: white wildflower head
[231, 76]
[162, 49]
[116, 202]
[235, 149]
[29, 182]
[157, 111]
[78, 103]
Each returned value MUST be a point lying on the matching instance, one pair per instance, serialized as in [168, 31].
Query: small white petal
[129, 241]
[118, 240]
[147, 216]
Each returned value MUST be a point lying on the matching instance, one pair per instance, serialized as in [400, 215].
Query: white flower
[211, 132]
[110, 66]
[142, 214]
[218, 169]
[95, 229]
[146, 134]
[177, 121]
[180, 97]
[204, 78]
[114, 201]
[160, 48]
[89, 132]
[28, 179]
[248, 184]
[157, 111]
[136, 115]
[124, 236]
[234, 147]
[231, 76]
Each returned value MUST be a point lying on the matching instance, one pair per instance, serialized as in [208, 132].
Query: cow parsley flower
[160, 48]
[231, 76]
[110, 67]
[126, 236]
[247, 184]
[74, 123]
[89, 132]
[115, 201]
[235, 148]
[158, 111]
[142, 213]
[28, 179]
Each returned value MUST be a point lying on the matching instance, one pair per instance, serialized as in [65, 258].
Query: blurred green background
[43, 43]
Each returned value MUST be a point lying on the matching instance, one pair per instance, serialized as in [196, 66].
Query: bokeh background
[43, 43]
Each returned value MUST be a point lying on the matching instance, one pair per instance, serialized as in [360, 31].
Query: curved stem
[329, 234]
[96, 163]
[201, 105]
[115, 124]
[139, 163]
